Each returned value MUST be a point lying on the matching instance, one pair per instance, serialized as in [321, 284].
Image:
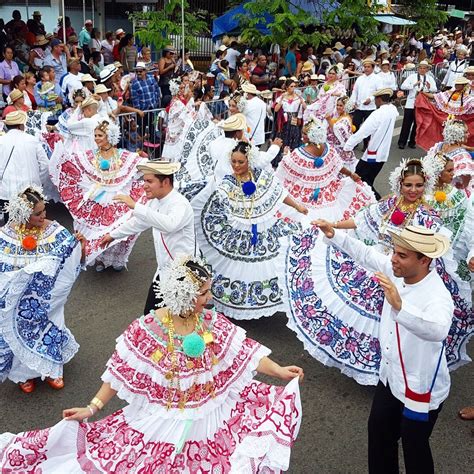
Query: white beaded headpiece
[429, 173]
[316, 130]
[252, 153]
[240, 100]
[179, 285]
[111, 130]
[174, 86]
[454, 131]
[434, 165]
[18, 206]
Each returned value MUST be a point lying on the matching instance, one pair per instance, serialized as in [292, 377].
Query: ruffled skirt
[246, 276]
[334, 307]
[252, 432]
[340, 199]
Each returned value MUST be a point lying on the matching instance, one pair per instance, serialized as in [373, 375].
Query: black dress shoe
[412, 145]
[402, 147]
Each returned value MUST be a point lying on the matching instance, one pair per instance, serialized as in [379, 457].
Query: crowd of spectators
[39, 70]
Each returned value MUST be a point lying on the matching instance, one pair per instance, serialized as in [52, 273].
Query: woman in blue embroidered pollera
[238, 229]
[335, 305]
[39, 262]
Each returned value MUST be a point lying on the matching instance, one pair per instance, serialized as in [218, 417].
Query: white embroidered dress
[220, 420]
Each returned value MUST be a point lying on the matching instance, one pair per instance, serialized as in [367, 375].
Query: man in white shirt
[423, 81]
[456, 68]
[71, 81]
[362, 95]
[169, 214]
[107, 105]
[255, 112]
[379, 127]
[232, 55]
[386, 76]
[23, 161]
[415, 321]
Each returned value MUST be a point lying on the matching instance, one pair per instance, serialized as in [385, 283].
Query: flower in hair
[251, 152]
[433, 165]
[111, 130]
[179, 285]
[174, 86]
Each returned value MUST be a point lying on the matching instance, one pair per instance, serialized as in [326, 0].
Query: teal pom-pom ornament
[104, 165]
[318, 162]
[194, 345]
[316, 194]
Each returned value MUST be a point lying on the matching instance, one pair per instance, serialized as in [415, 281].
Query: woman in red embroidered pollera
[193, 405]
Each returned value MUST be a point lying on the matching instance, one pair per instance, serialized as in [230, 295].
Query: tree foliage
[160, 25]
[426, 13]
[293, 24]
[359, 16]
[289, 25]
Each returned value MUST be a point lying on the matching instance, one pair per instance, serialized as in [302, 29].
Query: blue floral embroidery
[353, 284]
[462, 326]
[6, 359]
[257, 294]
[236, 244]
[32, 327]
[320, 328]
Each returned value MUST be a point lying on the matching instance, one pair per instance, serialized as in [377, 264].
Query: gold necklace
[108, 168]
[409, 207]
[194, 361]
[248, 210]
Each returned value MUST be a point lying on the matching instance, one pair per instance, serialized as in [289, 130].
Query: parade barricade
[148, 132]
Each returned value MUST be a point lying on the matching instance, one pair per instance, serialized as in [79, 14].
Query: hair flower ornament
[178, 286]
[174, 86]
[19, 208]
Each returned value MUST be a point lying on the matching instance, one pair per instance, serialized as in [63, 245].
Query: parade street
[333, 434]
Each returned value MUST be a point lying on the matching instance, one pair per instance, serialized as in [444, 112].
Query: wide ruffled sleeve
[139, 369]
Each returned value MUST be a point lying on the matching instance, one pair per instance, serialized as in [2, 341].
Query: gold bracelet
[98, 403]
[335, 225]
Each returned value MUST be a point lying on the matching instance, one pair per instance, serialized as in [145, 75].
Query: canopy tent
[229, 23]
[393, 20]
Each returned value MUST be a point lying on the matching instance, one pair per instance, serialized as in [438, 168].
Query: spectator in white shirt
[379, 127]
[422, 81]
[456, 68]
[72, 80]
[107, 46]
[386, 76]
[232, 56]
[255, 113]
[415, 321]
[362, 94]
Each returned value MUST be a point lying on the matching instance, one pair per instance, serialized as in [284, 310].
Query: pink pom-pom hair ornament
[398, 217]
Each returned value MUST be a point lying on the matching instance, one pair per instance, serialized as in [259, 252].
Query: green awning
[457, 13]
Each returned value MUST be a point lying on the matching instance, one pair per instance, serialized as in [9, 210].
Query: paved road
[335, 408]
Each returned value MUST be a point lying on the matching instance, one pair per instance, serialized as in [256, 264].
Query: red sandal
[56, 384]
[27, 387]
